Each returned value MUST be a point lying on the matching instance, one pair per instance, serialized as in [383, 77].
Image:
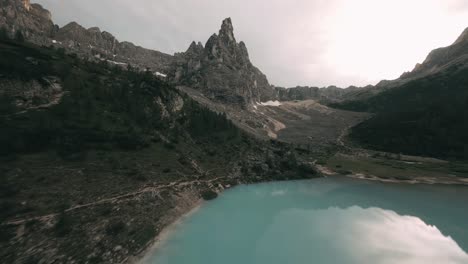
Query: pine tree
[3, 33]
[19, 36]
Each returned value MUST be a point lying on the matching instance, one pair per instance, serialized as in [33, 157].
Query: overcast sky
[294, 42]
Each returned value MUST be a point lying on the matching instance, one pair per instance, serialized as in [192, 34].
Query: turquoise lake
[330, 220]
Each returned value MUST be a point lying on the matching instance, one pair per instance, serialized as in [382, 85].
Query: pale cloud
[296, 42]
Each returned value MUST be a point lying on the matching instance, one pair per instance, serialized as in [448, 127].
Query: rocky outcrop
[222, 70]
[32, 20]
[29, 95]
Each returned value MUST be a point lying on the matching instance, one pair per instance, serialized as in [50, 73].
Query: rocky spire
[195, 48]
[227, 31]
[222, 70]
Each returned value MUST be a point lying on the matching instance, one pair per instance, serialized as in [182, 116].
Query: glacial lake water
[324, 221]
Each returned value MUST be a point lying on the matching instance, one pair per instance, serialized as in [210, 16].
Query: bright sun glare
[372, 40]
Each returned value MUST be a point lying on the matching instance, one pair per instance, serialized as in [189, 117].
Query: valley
[104, 143]
[95, 174]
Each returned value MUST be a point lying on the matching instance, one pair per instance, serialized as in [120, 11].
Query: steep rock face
[222, 70]
[32, 20]
[93, 42]
[442, 57]
[36, 24]
[74, 35]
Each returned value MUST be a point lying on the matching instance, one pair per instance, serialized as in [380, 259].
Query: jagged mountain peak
[95, 29]
[196, 44]
[244, 51]
[192, 45]
[73, 25]
[227, 22]
[211, 40]
[222, 70]
[223, 47]
[195, 48]
[227, 30]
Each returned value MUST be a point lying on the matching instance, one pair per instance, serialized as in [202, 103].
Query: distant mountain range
[221, 69]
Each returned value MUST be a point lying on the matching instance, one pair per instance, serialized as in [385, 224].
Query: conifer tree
[19, 36]
[3, 33]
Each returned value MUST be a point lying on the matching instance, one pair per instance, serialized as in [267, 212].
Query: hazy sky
[294, 42]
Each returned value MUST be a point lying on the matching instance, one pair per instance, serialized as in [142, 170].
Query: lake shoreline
[417, 180]
[337, 199]
[165, 233]
[393, 168]
[191, 205]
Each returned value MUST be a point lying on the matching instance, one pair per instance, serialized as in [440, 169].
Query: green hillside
[427, 116]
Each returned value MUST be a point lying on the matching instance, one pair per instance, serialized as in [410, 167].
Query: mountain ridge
[94, 42]
[221, 69]
[247, 88]
[35, 22]
[437, 59]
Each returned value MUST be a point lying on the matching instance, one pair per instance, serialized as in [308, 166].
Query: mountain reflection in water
[324, 221]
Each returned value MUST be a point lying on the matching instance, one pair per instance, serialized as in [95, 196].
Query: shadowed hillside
[96, 159]
[427, 116]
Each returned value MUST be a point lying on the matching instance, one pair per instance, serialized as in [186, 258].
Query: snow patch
[116, 63]
[271, 103]
[160, 74]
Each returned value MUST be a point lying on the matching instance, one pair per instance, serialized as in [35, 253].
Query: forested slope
[96, 159]
[427, 116]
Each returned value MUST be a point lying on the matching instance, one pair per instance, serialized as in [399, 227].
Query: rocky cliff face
[36, 24]
[31, 19]
[93, 42]
[222, 70]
